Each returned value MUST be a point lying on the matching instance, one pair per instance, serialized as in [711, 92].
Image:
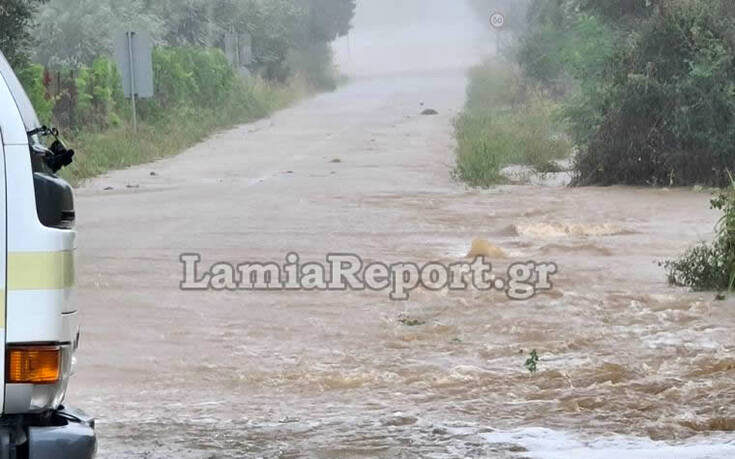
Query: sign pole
[132, 80]
[497, 21]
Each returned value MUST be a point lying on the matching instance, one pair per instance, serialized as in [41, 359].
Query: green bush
[710, 266]
[671, 115]
[187, 81]
[99, 95]
[648, 87]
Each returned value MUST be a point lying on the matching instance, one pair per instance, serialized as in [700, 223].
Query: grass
[117, 148]
[503, 123]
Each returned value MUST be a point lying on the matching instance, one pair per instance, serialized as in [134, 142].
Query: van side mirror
[59, 156]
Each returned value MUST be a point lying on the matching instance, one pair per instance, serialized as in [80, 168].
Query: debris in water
[108, 188]
[410, 322]
[153, 174]
[336, 160]
[429, 111]
[532, 362]
[132, 186]
[483, 248]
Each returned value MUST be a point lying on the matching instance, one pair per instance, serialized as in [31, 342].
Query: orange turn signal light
[33, 365]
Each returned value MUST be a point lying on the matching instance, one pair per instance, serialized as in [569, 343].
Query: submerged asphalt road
[170, 373]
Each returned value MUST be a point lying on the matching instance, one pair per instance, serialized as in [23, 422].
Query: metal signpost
[133, 55]
[497, 21]
[239, 48]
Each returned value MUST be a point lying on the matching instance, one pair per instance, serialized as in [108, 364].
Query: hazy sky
[406, 35]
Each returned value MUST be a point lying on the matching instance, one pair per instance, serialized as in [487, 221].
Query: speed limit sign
[497, 20]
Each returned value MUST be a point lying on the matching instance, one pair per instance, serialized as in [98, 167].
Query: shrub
[669, 116]
[710, 266]
[99, 95]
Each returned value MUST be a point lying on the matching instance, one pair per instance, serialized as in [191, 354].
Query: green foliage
[32, 77]
[197, 91]
[185, 22]
[99, 96]
[670, 117]
[327, 19]
[279, 29]
[16, 18]
[72, 33]
[504, 123]
[710, 266]
[649, 86]
[179, 126]
[196, 88]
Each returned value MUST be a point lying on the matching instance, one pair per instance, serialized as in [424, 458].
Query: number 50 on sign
[497, 20]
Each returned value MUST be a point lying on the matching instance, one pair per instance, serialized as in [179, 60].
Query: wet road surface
[170, 373]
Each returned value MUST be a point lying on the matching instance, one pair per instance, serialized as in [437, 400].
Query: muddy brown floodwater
[626, 361]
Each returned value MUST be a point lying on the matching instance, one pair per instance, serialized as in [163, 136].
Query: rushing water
[334, 374]
[628, 365]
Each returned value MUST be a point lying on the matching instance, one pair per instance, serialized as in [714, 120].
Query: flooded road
[344, 374]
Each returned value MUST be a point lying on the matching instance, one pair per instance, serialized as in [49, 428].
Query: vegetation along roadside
[201, 85]
[644, 91]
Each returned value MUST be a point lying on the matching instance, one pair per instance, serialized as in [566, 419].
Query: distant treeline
[73, 33]
[62, 50]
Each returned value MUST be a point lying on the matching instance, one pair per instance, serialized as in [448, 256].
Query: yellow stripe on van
[40, 270]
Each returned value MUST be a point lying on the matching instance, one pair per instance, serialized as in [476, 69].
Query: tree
[328, 19]
[16, 17]
[75, 32]
[185, 22]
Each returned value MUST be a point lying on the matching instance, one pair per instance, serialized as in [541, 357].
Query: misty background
[414, 35]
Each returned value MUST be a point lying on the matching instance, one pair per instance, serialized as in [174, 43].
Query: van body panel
[3, 263]
[40, 262]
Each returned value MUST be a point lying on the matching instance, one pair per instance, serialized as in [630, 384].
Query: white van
[39, 330]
